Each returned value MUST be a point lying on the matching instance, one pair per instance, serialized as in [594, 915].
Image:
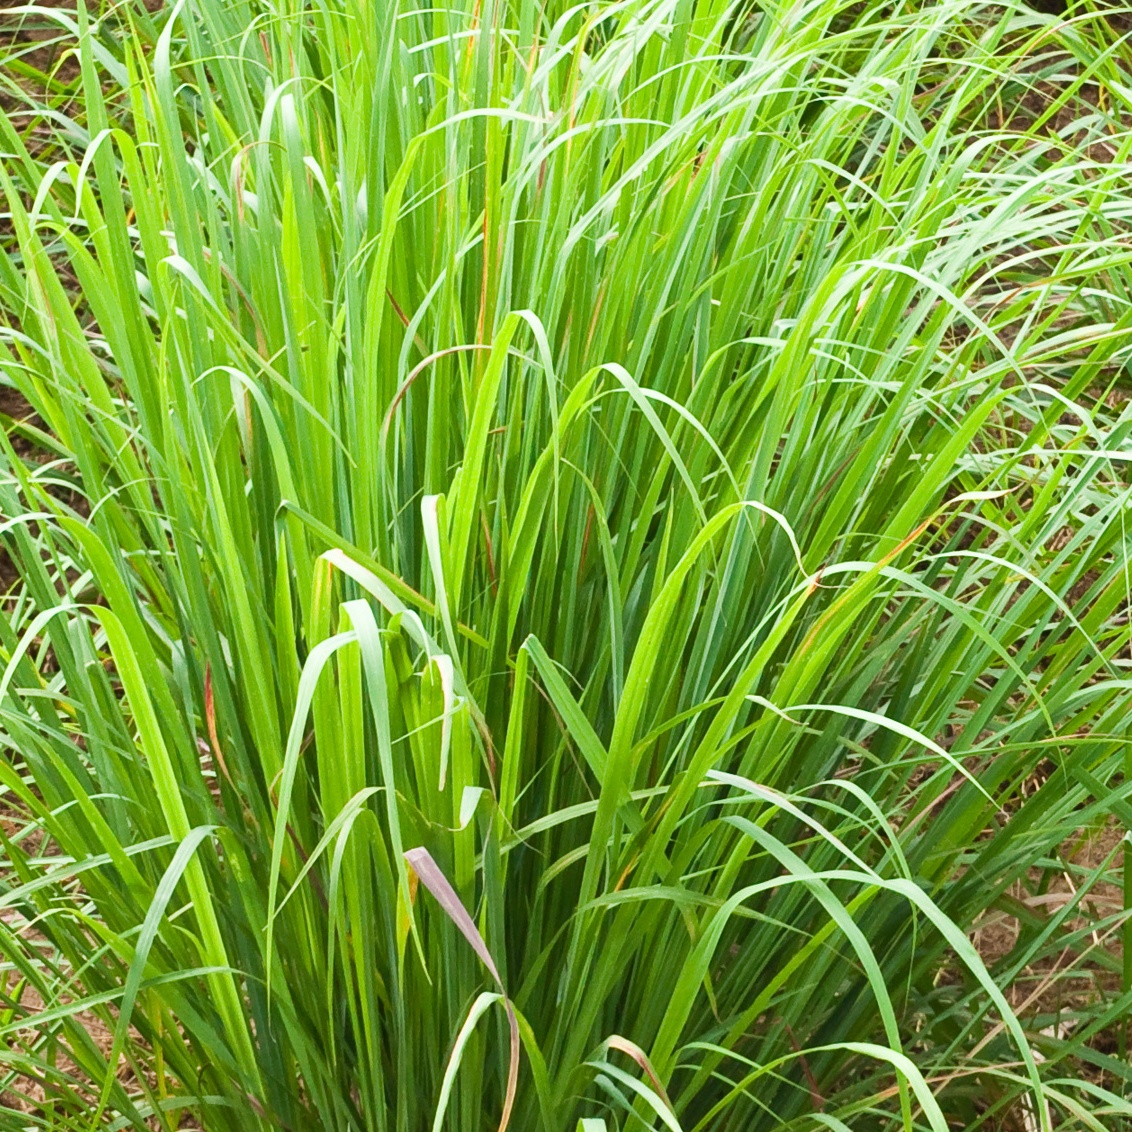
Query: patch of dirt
[35, 53]
[32, 1094]
[1062, 984]
[35, 1093]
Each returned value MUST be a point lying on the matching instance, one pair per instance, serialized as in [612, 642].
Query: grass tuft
[567, 566]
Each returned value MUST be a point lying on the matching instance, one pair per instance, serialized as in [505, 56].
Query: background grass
[566, 558]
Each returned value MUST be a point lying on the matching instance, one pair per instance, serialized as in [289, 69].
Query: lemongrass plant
[573, 554]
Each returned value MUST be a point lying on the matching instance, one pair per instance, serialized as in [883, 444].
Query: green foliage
[581, 540]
